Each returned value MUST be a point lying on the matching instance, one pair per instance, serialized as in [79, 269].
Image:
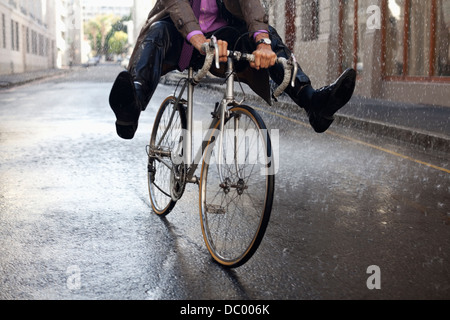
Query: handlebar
[212, 55]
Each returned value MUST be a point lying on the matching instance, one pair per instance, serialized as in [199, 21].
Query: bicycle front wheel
[165, 144]
[237, 187]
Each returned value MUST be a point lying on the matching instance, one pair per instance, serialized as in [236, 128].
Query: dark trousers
[161, 49]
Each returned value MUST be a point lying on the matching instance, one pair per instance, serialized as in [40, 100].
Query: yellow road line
[360, 142]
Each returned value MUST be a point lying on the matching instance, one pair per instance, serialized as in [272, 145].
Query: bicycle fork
[228, 100]
[222, 114]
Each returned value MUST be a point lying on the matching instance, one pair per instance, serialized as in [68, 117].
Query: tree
[92, 31]
[118, 42]
[116, 27]
[98, 29]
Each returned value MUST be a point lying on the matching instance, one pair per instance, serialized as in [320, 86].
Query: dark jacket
[249, 11]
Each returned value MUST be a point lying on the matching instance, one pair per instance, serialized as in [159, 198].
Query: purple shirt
[210, 19]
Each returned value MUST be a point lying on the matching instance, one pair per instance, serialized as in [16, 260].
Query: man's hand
[264, 55]
[198, 40]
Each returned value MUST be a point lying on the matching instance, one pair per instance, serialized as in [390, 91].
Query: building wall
[93, 8]
[317, 56]
[27, 40]
[347, 38]
[141, 10]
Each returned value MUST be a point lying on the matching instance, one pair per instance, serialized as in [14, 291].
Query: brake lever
[215, 46]
[295, 70]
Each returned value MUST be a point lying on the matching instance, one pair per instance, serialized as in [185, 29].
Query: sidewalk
[11, 80]
[425, 126]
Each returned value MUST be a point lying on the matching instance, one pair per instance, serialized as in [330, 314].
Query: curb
[422, 139]
[425, 140]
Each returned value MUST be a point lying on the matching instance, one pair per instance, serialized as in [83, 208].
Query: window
[416, 38]
[34, 45]
[291, 30]
[13, 45]
[14, 36]
[28, 39]
[353, 26]
[310, 20]
[441, 59]
[347, 51]
[4, 31]
[41, 45]
[394, 28]
[17, 36]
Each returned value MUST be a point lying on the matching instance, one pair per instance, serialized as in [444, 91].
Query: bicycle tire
[234, 218]
[166, 136]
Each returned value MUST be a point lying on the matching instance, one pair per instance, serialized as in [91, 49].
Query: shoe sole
[121, 97]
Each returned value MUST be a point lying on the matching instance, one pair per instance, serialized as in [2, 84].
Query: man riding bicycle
[172, 39]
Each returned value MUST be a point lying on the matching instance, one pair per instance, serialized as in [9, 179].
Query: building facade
[93, 8]
[400, 48]
[70, 44]
[27, 35]
[141, 9]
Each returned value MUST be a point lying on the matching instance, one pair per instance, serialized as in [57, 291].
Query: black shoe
[328, 100]
[125, 104]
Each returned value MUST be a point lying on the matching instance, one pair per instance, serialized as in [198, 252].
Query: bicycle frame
[228, 100]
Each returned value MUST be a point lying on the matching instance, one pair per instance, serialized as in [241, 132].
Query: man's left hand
[264, 57]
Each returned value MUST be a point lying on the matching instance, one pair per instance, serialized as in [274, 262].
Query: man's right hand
[198, 40]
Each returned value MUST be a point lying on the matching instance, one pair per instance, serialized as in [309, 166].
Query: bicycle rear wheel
[237, 187]
[165, 144]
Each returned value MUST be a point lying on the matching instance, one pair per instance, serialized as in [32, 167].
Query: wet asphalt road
[76, 223]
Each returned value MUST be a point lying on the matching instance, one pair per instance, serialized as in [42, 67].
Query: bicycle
[237, 178]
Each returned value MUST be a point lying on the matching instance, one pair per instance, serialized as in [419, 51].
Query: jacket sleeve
[183, 17]
[251, 11]
[254, 14]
